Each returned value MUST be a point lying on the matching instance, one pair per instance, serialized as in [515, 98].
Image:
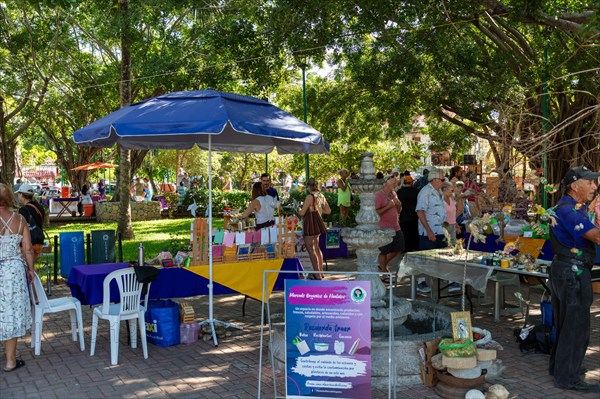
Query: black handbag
[146, 275]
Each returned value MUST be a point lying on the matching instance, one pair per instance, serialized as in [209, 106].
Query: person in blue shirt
[573, 238]
[102, 188]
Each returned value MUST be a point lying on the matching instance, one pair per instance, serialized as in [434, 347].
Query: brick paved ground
[231, 370]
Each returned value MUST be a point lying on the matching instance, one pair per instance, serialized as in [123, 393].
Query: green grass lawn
[157, 235]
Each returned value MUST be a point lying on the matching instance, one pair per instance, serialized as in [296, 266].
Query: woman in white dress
[17, 262]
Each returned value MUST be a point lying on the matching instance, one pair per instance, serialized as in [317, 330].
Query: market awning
[95, 166]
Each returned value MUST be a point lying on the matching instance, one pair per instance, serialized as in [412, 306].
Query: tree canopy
[521, 74]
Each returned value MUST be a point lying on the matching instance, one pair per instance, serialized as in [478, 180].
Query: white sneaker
[454, 287]
[423, 287]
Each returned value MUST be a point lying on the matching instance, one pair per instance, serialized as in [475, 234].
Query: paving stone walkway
[201, 370]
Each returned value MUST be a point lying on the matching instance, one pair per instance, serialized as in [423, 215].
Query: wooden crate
[186, 313]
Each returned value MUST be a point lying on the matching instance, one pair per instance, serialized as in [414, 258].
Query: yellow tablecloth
[242, 276]
[530, 246]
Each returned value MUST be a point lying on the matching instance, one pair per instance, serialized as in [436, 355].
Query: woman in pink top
[388, 207]
[450, 204]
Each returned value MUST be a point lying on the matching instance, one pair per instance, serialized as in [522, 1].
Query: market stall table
[86, 281]
[539, 248]
[65, 203]
[443, 264]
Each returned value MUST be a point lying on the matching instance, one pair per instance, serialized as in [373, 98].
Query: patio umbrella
[210, 119]
[95, 166]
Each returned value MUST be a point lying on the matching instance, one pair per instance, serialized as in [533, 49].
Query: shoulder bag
[313, 222]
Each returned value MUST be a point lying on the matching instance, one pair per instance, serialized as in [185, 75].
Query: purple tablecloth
[86, 282]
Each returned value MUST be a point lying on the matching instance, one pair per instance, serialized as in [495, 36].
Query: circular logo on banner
[358, 295]
[105, 237]
[73, 239]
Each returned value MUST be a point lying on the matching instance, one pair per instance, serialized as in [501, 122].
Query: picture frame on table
[461, 325]
[332, 239]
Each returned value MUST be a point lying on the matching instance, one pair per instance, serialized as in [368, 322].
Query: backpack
[35, 226]
[535, 339]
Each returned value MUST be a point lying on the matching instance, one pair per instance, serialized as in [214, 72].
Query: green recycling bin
[103, 246]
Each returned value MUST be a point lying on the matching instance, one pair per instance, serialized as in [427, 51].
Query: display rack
[283, 247]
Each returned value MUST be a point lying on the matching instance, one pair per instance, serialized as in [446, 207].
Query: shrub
[235, 199]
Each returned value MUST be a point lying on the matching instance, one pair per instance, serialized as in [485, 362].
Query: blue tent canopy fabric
[212, 120]
[180, 120]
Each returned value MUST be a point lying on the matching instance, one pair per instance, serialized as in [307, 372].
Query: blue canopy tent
[210, 119]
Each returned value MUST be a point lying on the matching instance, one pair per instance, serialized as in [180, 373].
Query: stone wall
[109, 211]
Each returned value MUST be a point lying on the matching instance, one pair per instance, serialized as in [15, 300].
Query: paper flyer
[328, 339]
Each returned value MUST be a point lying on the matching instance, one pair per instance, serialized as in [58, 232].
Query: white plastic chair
[46, 305]
[128, 308]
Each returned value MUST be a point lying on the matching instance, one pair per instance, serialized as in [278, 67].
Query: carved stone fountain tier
[367, 237]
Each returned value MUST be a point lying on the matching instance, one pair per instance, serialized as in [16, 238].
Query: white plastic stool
[501, 280]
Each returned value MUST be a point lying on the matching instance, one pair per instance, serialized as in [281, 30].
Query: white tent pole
[210, 249]
[211, 320]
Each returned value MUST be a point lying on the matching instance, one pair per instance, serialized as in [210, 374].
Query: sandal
[20, 363]
[385, 278]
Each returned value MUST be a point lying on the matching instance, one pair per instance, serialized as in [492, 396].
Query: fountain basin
[426, 322]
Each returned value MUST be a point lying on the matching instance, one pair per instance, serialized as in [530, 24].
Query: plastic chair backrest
[130, 291]
[39, 291]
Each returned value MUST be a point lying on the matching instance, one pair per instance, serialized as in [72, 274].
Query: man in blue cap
[573, 238]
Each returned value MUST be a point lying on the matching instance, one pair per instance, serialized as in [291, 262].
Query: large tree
[484, 66]
[28, 60]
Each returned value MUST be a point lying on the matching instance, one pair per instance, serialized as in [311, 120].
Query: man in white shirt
[432, 214]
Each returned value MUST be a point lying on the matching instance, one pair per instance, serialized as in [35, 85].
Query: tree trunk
[124, 226]
[7, 151]
[7, 155]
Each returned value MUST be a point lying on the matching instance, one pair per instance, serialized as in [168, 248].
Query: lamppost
[306, 161]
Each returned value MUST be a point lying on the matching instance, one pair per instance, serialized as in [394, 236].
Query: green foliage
[172, 201]
[235, 199]
[37, 155]
[447, 136]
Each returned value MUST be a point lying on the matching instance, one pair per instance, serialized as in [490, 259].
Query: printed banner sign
[328, 339]
[332, 239]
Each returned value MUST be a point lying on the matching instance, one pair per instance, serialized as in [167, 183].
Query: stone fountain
[414, 321]
[367, 237]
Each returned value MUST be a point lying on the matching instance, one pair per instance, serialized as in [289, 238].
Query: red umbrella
[96, 165]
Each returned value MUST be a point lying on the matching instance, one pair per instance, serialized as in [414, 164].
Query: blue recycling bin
[72, 251]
